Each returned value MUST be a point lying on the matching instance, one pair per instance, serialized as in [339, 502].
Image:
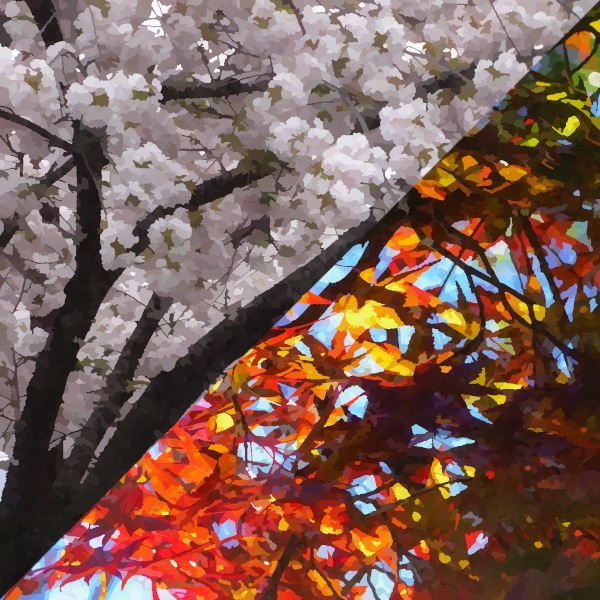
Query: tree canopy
[175, 177]
[423, 422]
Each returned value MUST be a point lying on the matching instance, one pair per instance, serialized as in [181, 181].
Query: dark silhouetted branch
[52, 139]
[221, 88]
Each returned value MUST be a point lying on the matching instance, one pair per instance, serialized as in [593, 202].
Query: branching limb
[219, 88]
[112, 398]
[203, 194]
[53, 139]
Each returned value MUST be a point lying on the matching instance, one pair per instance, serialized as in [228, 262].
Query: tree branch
[539, 253]
[44, 14]
[11, 224]
[53, 139]
[113, 397]
[221, 88]
[289, 550]
[10, 227]
[204, 193]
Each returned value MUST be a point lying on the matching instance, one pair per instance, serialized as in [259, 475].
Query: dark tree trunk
[23, 495]
[44, 14]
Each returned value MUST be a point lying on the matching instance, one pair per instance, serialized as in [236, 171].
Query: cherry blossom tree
[175, 177]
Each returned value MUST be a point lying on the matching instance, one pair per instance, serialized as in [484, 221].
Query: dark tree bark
[44, 13]
[214, 89]
[23, 496]
[113, 397]
[29, 527]
[288, 553]
[206, 192]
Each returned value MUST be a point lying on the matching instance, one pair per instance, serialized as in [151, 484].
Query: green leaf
[321, 90]
[339, 65]
[267, 197]
[33, 80]
[99, 100]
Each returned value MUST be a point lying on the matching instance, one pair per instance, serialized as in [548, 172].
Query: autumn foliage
[422, 424]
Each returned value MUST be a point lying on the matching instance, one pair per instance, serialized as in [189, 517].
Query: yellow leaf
[283, 525]
[239, 376]
[463, 564]
[436, 474]
[570, 127]
[453, 317]
[445, 491]
[502, 385]
[368, 275]
[322, 585]
[244, 593]
[539, 311]
[320, 391]
[480, 379]
[444, 558]
[469, 471]
[102, 585]
[291, 341]
[457, 321]
[469, 399]
[391, 363]
[556, 96]
[216, 385]
[445, 178]
[531, 143]
[416, 516]
[372, 314]
[400, 492]
[223, 421]
[309, 372]
[335, 416]
[498, 398]
[519, 307]
[396, 286]
[512, 173]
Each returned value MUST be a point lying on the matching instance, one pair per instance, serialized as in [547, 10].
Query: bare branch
[220, 88]
[287, 554]
[53, 139]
